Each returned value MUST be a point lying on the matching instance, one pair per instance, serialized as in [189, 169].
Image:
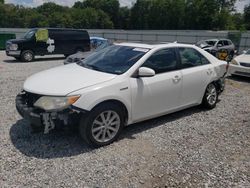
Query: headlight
[55, 103]
[234, 62]
[13, 47]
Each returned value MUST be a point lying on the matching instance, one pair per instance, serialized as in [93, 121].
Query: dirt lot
[191, 148]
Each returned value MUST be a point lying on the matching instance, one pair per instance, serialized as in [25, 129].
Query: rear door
[196, 73]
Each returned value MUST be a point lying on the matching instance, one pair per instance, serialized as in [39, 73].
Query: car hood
[243, 58]
[16, 41]
[61, 81]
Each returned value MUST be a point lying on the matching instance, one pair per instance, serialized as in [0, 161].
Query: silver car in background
[216, 46]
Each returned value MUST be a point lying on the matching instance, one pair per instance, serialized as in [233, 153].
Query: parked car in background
[120, 85]
[96, 43]
[220, 48]
[240, 65]
[48, 41]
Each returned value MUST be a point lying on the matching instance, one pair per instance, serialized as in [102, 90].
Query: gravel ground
[191, 148]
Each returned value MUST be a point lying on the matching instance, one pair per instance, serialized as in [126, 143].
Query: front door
[153, 96]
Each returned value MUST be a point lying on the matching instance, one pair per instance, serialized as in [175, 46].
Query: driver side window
[162, 61]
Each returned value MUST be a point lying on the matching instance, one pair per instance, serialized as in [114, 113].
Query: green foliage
[144, 14]
[247, 16]
[2, 1]
[90, 18]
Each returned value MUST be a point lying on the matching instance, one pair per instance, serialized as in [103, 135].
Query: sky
[241, 4]
[33, 3]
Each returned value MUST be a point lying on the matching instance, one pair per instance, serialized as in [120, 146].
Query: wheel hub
[211, 94]
[105, 126]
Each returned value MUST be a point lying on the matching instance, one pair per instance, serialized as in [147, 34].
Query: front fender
[120, 92]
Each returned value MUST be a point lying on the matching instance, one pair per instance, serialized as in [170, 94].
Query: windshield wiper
[93, 67]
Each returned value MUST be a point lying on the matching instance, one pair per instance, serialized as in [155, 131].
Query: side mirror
[219, 45]
[145, 72]
[244, 51]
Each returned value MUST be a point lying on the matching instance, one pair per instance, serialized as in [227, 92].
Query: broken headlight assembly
[50, 103]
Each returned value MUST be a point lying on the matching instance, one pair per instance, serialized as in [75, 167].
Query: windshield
[29, 34]
[211, 42]
[114, 59]
[103, 45]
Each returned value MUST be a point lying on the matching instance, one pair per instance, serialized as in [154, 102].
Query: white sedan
[120, 85]
[240, 65]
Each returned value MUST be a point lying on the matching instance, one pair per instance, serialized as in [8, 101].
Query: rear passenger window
[162, 61]
[225, 43]
[191, 58]
[220, 43]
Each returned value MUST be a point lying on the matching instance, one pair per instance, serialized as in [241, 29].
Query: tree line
[144, 14]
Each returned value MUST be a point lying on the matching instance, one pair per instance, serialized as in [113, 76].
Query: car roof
[97, 38]
[212, 39]
[152, 46]
[217, 39]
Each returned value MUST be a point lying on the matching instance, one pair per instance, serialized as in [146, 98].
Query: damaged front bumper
[43, 120]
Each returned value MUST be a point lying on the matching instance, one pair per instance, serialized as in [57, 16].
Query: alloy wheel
[211, 94]
[28, 56]
[105, 126]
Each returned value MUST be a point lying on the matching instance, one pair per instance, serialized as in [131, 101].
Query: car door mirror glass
[145, 72]
[219, 45]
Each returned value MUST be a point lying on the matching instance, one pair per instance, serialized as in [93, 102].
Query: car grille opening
[242, 73]
[245, 64]
[30, 98]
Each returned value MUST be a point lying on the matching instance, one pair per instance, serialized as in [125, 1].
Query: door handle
[209, 71]
[176, 78]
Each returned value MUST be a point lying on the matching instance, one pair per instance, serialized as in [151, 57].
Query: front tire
[102, 125]
[27, 56]
[210, 97]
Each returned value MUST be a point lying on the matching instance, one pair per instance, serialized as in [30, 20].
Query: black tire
[27, 56]
[87, 124]
[35, 129]
[210, 102]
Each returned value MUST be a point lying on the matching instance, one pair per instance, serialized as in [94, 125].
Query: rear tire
[210, 97]
[27, 56]
[102, 125]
